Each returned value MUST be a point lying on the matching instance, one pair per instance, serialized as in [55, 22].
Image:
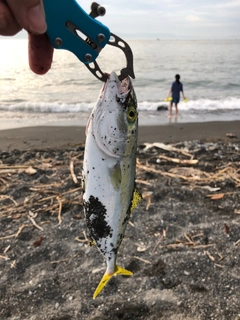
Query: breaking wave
[201, 105]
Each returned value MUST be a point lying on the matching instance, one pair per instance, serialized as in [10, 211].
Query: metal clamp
[71, 28]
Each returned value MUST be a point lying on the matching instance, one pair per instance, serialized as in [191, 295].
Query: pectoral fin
[116, 176]
[107, 277]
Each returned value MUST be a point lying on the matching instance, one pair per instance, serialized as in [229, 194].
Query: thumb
[29, 14]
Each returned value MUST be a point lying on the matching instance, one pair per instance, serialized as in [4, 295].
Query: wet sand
[59, 137]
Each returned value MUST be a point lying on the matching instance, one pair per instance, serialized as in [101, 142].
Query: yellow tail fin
[107, 277]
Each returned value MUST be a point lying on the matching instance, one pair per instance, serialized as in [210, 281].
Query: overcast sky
[180, 19]
[169, 19]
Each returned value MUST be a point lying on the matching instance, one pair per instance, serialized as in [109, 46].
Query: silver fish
[109, 170]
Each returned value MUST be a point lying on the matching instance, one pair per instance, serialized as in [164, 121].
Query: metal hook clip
[127, 71]
[71, 28]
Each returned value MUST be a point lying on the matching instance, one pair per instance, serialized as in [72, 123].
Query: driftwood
[50, 197]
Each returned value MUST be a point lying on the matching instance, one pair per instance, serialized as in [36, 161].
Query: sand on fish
[182, 243]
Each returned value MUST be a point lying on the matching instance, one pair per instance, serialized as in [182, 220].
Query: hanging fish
[109, 170]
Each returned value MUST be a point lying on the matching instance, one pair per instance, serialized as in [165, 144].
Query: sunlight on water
[207, 69]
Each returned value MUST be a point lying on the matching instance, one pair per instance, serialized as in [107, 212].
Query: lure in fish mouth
[109, 170]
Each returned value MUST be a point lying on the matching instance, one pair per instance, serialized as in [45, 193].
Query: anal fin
[137, 197]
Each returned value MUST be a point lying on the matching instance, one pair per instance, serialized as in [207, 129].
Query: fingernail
[36, 20]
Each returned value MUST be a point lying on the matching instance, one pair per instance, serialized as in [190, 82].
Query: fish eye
[131, 114]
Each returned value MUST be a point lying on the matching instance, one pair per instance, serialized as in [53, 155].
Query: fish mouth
[103, 88]
[123, 86]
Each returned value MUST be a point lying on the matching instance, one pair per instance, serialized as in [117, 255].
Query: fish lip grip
[69, 27]
[127, 71]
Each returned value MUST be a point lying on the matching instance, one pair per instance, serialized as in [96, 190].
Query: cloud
[229, 4]
[193, 18]
[183, 19]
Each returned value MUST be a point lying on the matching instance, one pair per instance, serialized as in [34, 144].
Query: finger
[40, 53]
[8, 24]
[29, 15]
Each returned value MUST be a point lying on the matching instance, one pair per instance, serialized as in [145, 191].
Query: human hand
[16, 15]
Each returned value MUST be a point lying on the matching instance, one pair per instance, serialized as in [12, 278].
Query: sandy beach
[58, 137]
[182, 243]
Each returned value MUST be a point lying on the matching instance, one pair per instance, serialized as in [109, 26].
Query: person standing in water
[175, 90]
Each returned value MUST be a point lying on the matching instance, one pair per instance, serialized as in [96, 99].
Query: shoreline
[52, 137]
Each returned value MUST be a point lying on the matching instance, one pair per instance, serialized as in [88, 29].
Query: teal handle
[69, 27]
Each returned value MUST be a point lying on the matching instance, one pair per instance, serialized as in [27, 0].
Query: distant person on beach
[16, 15]
[175, 90]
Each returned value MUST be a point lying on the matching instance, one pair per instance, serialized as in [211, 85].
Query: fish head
[115, 118]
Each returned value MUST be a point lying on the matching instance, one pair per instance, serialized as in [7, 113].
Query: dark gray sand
[182, 244]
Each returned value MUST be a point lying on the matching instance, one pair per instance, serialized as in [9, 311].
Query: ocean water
[67, 93]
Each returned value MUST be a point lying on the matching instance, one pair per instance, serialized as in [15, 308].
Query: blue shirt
[177, 87]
